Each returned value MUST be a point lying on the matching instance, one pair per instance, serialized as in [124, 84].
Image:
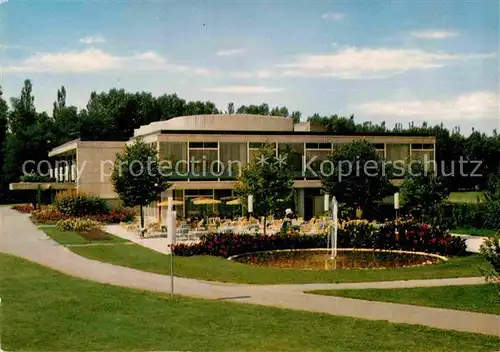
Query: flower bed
[23, 208]
[49, 214]
[411, 236]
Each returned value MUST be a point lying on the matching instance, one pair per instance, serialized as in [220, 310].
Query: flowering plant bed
[49, 214]
[23, 208]
[409, 235]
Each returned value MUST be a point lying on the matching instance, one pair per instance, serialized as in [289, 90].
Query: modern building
[204, 152]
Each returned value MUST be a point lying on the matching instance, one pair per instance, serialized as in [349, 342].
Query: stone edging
[343, 250]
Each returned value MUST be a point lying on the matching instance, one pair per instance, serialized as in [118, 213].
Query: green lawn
[474, 232]
[45, 310]
[220, 269]
[74, 238]
[465, 197]
[477, 298]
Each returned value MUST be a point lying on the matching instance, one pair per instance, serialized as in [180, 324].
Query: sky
[392, 61]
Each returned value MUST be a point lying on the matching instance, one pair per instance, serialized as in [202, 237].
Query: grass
[45, 310]
[75, 238]
[476, 298]
[223, 270]
[465, 197]
[474, 232]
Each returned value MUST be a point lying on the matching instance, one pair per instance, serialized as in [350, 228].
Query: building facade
[206, 151]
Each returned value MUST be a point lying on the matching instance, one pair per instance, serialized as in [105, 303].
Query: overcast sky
[395, 61]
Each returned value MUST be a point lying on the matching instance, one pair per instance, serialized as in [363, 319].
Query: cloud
[472, 106]
[355, 63]
[92, 40]
[252, 74]
[229, 52]
[96, 60]
[243, 89]
[336, 16]
[435, 34]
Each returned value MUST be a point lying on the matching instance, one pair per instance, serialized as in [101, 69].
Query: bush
[412, 236]
[23, 208]
[490, 249]
[78, 224]
[78, 204]
[228, 244]
[469, 215]
[32, 177]
[492, 219]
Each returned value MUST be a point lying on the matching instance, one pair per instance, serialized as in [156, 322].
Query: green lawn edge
[73, 238]
[475, 232]
[475, 298]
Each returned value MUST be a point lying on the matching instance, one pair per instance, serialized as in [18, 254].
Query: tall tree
[422, 191]
[269, 179]
[137, 176]
[30, 139]
[357, 176]
[4, 110]
[23, 109]
[67, 123]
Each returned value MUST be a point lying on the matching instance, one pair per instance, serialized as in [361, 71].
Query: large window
[315, 154]
[294, 152]
[232, 155]
[399, 153]
[203, 157]
[380, 148]
[423, 153]
[176, 154]
[254, 147]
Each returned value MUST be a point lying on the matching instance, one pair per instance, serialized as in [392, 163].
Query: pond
[346, 259]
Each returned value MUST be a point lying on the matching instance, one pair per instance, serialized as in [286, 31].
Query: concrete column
[73, 172]
[300, 202]
[66, 173]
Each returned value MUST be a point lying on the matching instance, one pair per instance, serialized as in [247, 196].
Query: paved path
[158, 244]
[473, 242]
[20, 237]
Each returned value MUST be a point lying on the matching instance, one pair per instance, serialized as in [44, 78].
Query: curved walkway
[18, 236]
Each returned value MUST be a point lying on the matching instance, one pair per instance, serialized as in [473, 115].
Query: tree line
[26, 133]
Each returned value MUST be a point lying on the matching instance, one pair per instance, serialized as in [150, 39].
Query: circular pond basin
[320, 259]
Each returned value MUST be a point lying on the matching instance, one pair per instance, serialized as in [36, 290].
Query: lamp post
[326, 204]
[335, 211]
[171, 231]
[250, 204]
[396, 208]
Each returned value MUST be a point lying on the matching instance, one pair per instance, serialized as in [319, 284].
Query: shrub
[23, 208]
[411, 236]
[490, 249]
[414, 236]
[469, 215]
[78, 224]
[33, 177]
[228, 244]
[79, 204]
[492, 219]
